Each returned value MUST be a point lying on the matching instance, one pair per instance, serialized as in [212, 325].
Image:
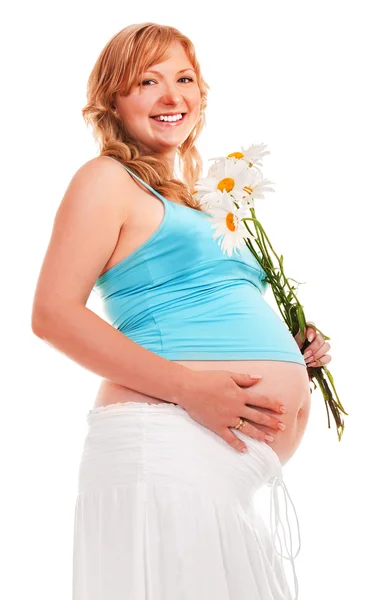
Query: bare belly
[285, 381]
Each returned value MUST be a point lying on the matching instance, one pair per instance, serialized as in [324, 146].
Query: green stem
[293, 314]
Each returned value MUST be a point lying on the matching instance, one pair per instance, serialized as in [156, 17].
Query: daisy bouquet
[227, 194]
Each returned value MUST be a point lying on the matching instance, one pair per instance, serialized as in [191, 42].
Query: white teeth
[169, 118]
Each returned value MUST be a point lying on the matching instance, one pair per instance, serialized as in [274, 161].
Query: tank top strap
[140, 180]
[276, 483]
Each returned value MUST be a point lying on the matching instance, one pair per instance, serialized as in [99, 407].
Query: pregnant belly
[286, 382]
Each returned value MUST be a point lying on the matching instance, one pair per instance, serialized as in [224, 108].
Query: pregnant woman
[195, 365]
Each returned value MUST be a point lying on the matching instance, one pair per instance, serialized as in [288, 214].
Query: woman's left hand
[318, 348]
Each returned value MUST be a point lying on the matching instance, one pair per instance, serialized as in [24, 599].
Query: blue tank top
[179, 296]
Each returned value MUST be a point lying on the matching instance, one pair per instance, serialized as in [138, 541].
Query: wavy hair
[119, 66]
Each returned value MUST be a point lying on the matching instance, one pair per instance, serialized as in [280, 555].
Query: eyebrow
[181, 71]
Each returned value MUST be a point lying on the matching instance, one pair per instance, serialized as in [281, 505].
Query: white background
[310, 79]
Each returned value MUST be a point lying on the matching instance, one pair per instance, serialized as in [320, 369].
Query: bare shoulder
[85, 233]
[104, 171]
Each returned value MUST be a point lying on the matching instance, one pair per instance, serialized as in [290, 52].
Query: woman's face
[167, 88]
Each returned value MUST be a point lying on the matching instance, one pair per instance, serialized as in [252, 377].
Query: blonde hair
[120, 65]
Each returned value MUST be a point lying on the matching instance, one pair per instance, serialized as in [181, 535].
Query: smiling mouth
[172, 123]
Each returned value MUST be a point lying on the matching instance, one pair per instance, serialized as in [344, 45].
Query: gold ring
[239, 424]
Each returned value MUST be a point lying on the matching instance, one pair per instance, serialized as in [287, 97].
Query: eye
[147, 80]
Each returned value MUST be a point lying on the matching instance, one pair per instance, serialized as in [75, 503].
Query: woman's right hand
[216, 400]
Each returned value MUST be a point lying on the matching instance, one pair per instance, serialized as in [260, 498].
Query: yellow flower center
[230, 221]
[226, 184]
[247, 189]
[235, 155]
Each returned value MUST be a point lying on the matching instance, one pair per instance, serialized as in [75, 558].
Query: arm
[85, 233]
[97, 346]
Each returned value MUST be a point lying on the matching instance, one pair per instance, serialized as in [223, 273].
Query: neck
[169, 155]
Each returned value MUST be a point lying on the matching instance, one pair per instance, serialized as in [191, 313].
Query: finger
[265, 402]
[321, 350]
[320, 361]
[245, 379]
[233, 440]
[255, 433]
[316, 349]
[316, 342]
[266, 429]
[307, 332]
[310, 333]
[261, 418]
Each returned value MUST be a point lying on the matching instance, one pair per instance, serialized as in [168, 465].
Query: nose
[171, 95]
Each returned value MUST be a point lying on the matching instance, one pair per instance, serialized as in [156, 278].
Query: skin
[317, 352]
[164, 89]
[171, 87]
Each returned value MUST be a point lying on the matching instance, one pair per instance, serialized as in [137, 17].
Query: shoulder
[103, 168]
[104, 177]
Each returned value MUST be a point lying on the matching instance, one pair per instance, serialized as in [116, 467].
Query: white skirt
[165, 511]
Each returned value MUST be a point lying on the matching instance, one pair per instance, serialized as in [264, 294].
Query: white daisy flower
[255, 187]
[228, 176]
[226, 219]
[252, 155]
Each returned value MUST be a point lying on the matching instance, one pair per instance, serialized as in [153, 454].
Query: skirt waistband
[137, 407]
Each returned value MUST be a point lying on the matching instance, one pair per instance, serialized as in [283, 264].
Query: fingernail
[307, 353]
[311, 337]
[244, 449]
[256, 376]
[282, 409]
[269, 438]
[281, 426]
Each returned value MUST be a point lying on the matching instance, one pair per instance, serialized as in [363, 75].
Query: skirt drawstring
[275, 484]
